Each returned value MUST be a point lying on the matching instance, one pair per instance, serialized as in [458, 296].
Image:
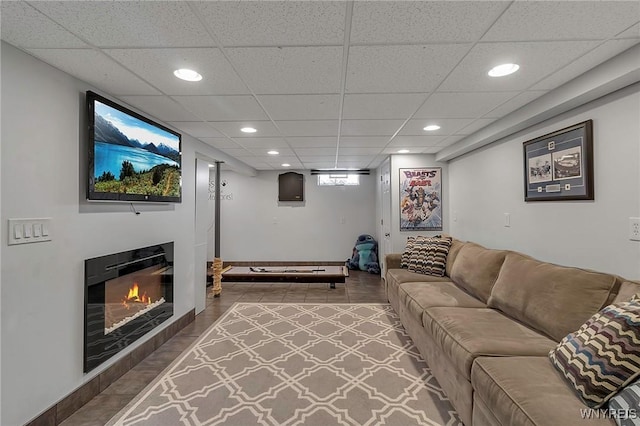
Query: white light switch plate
[634, 228]
[25, 231]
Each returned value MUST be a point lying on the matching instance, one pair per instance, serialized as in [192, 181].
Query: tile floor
[360, 287]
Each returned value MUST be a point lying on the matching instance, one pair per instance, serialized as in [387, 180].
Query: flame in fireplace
[135, 297]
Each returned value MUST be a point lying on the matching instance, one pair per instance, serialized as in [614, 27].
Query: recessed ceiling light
[273, 153]
[211, 166]
[403, 151]
[286, 165]
[431, 127]
[187, 74]
[504, 69]
[248, 130]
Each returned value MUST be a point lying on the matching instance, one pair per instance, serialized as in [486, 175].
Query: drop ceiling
[326, 84]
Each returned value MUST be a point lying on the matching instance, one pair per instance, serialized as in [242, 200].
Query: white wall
[489, 182]
[255, 226]
[399, 238]
[43, 175]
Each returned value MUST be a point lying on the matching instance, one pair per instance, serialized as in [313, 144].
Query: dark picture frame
[559, 166]
[421, 199]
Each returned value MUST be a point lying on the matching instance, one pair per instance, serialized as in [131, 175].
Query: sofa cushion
[553, 299]
[603, 355]
[476, 268]
[456, 246]
[464, 334]
[429, 257]
[527, 391]
[628, 289]
[399, 276]
[418, 296]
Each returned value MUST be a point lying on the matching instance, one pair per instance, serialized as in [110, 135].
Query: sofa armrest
[392, 261]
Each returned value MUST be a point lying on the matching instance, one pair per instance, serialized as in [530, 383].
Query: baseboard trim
[71, 403]
[283, 263]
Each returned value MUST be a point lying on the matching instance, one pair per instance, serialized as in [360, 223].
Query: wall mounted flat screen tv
[131, 158]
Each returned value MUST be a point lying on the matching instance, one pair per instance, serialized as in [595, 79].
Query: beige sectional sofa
[487, 326]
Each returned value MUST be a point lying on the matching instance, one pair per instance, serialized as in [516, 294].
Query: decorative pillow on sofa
[603, 355]
[626, 405]
[430, 256]
[412, 245]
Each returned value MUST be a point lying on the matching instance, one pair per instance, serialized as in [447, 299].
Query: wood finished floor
[360, 287]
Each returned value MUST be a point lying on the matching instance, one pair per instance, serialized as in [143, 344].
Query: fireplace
[127, 295]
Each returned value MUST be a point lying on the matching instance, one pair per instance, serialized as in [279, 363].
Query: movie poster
[421, 199]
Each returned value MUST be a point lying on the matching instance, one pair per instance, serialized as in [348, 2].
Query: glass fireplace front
[126, 296]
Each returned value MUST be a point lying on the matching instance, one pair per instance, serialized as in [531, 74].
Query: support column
[217, 261]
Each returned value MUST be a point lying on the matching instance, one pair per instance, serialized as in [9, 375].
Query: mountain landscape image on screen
[134, 157]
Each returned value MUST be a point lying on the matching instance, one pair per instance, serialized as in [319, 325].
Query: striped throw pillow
[626, 405]
[412, 245]
[430, 256]
[603, 355]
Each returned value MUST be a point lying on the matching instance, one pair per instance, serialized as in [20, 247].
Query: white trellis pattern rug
[296, 364]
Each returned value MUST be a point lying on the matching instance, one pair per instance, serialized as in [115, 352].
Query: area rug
[296, 364]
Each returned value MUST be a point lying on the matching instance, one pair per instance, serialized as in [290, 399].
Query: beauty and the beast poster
[421, 199]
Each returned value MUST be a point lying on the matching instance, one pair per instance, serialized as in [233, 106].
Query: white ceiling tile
[364, 141]
[312, 142]
[282, 151]
[359, 159]
[257, 163]
[475, 126]
[370, 127]
[358, 151]
[312, 164]
[301, 107]
[232, 128]
[197, 129]
[317, 158]
[277, 160]
[461, 105]
[381, 106]
[359, 163]
[129, 23]
[376, 69]
[633, 32]
[96, 69]
[238, 152]
[415, 126]
[451, 140]
[162, 107]
[413, 141]
[536, 60]
[514, 103]
[308, 128]
[19, 21]
[308, 152]
[223, 108]
[157, 66]
[272, 70]
[275, 23]
[262, 143]
[563, 20]
[422, 22]
[430, 150]
[591, 59]
[220, 143]
[293, 165]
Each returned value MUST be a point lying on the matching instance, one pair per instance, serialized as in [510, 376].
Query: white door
[385, 188]
[202, 220]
